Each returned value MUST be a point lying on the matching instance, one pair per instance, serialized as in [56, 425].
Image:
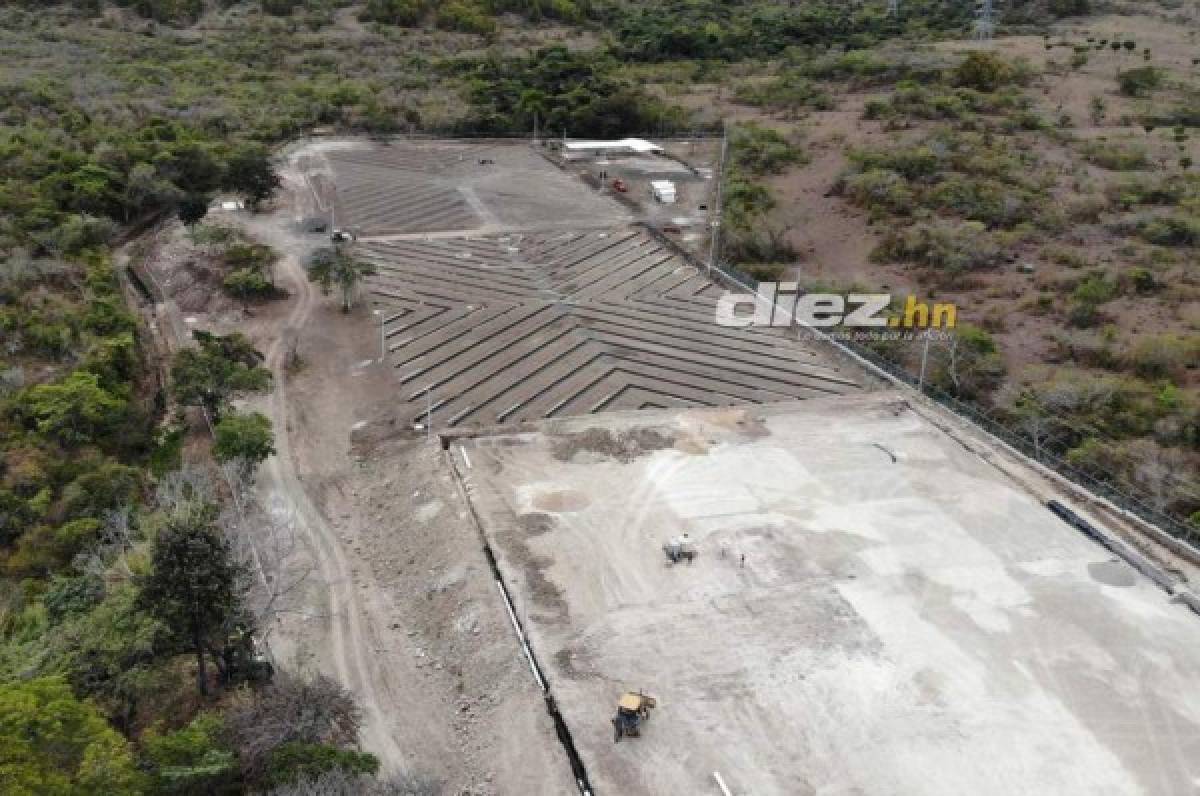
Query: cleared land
[543, 306]
[905, 620]
[407, 187]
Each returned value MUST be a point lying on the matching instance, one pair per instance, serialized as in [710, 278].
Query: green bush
[1142, 280]
[465, 16]
[910, 162]
[247, 284]
[989, 201]
[281, 8]
[985, 71]
[1094, 289]
[1164, 355]
[865, 68]
[787, 92]
[1069, 8]
[880, 190]
[1171, 231]
[1079, 404]
[296, 762]
[1086, 299]
[394, 12]
[953, 247]
[1140, 81]
[1116, 156]
[195, 760]
[762, 150]
[745, 202]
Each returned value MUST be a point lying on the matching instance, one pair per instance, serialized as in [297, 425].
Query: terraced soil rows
[391, 190]
[525, 327]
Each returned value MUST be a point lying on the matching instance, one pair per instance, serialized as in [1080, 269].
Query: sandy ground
[399, 605]
[906, 618]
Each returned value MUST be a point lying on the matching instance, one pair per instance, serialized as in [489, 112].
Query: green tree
[52, 744]
[192, 761]
[109, 651]
[76, 410]
[328, 267]
[250, 173]
[244, 437]
[146, 190]
[192, 209]
[193, 587]
[210, 374]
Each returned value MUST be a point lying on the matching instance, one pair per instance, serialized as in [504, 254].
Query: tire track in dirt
[349, 631]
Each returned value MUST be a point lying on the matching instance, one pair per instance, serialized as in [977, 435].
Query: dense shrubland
[969, 196]
[749, 237]
[125, 616]
[560, 92]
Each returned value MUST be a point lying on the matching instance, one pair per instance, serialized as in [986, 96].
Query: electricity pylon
[985, 20]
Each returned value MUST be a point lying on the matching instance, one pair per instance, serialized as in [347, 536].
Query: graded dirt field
[875, 609]
[404, 187]
[528, 294]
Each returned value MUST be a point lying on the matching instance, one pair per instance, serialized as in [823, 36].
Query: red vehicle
[619, 186]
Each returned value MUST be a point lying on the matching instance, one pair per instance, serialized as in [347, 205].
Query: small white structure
[663, 190]
[623, 146]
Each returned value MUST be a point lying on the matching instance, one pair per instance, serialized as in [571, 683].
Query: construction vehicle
[632, 710]
[679, 548]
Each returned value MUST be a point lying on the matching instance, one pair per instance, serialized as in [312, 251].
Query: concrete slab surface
[917, 626]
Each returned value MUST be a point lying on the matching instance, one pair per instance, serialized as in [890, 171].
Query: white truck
[663, 190]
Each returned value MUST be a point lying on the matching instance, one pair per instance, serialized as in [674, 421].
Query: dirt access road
[400, 606]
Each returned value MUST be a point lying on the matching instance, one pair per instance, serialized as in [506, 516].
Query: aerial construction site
[576, 537]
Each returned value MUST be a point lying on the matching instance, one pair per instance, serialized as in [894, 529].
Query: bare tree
[338, 782]
[292, 709]
[341, 783]
[109, 556]
[265, 541]
[185, 486]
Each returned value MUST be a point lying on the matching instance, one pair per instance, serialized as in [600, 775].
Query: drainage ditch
[578, 770]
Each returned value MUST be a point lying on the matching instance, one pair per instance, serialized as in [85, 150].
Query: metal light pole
[715, 242]
[428, 411]
[382, 337]
[924, 359]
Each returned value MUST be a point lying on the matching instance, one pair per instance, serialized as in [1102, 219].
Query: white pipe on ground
[512, 615]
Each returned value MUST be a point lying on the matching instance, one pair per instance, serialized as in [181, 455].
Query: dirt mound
[624, 446]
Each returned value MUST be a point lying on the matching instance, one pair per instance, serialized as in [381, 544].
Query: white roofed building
[624, 146]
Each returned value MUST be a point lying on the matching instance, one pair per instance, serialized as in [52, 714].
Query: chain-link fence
[1029, 441]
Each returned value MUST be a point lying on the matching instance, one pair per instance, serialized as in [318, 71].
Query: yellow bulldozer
[632, 710]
